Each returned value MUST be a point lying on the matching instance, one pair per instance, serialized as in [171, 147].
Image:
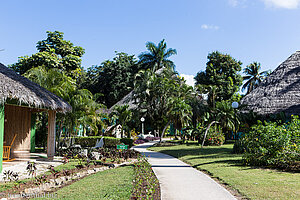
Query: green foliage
[127, 141]
[161, 97]
[253, 77]
[273, 145]
[114, 79]
[54, 52]
[157, 56]
[220, 79]
[124, 115]
[108, 141]
[145, 184]
[215, 138]
[226, 116]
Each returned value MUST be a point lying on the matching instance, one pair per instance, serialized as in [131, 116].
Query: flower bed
[145, 184]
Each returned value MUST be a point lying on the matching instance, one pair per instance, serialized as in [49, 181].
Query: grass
[220, 163]
[109, 184]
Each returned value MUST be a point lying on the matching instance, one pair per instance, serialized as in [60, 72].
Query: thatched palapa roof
[279, 92]
[16, 87]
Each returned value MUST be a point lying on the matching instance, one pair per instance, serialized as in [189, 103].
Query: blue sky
[267, 31]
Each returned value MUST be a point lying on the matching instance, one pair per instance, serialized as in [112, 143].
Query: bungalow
[279, 92]
[20, 100]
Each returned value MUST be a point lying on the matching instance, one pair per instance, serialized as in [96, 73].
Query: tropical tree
[162, 97]
[84, 108]
[124, 116]
[222, 71]
[113, 78]
[226, 116]
[157, 56]
[253, 76]
[53, 52]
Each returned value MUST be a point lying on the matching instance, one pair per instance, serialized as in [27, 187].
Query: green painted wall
[1, 134]
[32, 133]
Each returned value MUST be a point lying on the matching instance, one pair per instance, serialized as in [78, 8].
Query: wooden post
[2, 115]
[32, 132]
[51, 134]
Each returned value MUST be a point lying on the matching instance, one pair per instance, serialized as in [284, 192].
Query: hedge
[90, 141]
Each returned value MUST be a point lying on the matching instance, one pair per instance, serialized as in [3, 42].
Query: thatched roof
[280, 91]
[16, 87]
[126, 100]
[129, 98]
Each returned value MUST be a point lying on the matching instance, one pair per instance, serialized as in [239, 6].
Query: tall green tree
[161, 96]
[222, 71]
[113, 78]
[53, 52]
[253, 76]
[157, 56]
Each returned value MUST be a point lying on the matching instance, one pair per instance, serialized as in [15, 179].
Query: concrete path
[180, 181]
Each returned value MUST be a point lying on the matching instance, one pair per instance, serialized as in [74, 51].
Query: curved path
[180, 181]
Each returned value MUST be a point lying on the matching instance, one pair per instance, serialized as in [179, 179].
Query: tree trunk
[163, 132]
[208, 127]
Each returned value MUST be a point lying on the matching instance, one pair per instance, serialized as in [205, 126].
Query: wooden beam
[2, 115]
[51, 134]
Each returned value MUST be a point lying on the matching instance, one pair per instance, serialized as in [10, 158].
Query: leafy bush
[273, 145]
[127, 141]
[108, 141]
[214, 138]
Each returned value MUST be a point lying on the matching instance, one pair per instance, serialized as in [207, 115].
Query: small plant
[146, 185]
[31, 168]
[54, 172]
[41, 179]
[10, 176]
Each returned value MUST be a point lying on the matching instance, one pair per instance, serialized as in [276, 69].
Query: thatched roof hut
[16, 87]
[279, 92]
[20, 100]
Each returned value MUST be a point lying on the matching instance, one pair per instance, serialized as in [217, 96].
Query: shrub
[108, 141]
[127, 141]
[214, 138]
[273, 145]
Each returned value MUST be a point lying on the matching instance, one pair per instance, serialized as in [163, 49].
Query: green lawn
[109, 184]
[253, 183]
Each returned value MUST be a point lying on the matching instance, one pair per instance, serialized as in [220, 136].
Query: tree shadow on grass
[230, 163]
[178, 153]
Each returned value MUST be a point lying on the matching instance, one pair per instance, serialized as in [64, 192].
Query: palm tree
[124, 116]
[157, 56]
[253, 76]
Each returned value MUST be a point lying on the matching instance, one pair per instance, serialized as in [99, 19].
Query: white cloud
[233, 3]
[189, 79]
[288, 4]
[236, 3]
[206, 27]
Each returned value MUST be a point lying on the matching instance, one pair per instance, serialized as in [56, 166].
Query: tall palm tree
[157, 56]
[253, 76]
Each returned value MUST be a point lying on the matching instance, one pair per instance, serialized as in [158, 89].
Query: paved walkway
[180, 181]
